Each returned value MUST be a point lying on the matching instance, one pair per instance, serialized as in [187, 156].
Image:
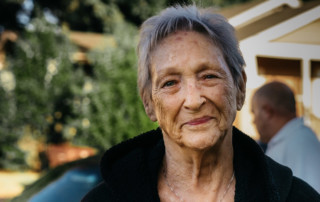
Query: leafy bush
[59, 101]
[38, 75]
[112, 110]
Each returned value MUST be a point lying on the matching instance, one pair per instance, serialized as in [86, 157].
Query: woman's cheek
[160, 110]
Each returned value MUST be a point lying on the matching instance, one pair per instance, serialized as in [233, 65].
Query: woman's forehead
[186, 44]
[184, 36]
[180, 42]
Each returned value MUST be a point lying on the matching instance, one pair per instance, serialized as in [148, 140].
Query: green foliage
[43, 72]
[11, 157]
[101, 15]
[59, 100]
[138, 11]
[98, 15]
[112, 110]
[38, 73]
[84, 15]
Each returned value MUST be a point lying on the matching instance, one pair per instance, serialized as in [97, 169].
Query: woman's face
[193, 93]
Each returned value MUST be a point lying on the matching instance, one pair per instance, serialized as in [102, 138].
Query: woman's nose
[193, 97]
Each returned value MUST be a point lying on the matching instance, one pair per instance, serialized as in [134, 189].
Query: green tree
[84, 15]
[38, 73]
[111, 110]
[56, 99]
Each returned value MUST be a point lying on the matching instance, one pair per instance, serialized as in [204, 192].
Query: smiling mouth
[199, 121]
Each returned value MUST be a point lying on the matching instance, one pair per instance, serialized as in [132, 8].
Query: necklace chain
[228, 187]
[180, 198]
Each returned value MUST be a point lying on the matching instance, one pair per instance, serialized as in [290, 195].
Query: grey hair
[186, 18]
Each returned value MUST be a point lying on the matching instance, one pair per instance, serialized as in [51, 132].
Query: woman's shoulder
[291, 188]
[301, 191]
[129, 168]
[99, 194]
[125, 148]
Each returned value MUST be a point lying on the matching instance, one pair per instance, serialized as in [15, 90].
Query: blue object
[71, 186]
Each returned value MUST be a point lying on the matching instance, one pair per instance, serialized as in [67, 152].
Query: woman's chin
[201, 142]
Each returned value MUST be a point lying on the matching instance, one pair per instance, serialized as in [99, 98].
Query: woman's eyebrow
[209, 66]
[165, 72]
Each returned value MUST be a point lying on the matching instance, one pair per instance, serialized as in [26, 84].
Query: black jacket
[130, 172]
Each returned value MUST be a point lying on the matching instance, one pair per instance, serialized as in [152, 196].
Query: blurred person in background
[192, 82]
[289, 141]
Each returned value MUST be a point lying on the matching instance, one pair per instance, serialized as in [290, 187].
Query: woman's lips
[199, 121]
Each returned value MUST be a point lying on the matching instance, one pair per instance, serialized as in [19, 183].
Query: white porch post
[306, 89]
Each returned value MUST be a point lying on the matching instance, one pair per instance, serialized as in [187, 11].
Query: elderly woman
[192, 82]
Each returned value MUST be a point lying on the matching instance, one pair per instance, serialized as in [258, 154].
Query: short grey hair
[186, 18]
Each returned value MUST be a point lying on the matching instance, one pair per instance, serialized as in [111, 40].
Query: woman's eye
[169, 83]
[209, 76]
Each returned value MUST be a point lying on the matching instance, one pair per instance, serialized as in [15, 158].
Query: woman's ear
[241, 94]
[148, 107]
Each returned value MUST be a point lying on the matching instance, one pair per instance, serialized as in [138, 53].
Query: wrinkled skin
[194, 98]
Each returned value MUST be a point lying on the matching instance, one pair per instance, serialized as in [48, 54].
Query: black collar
[131, 169]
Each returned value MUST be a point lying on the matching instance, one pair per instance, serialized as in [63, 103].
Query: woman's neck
[194, 175]
[199, 170]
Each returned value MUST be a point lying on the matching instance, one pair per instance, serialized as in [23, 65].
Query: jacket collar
[131, 169]
[258, 177]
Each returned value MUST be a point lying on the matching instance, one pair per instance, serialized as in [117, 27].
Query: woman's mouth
[199, 121]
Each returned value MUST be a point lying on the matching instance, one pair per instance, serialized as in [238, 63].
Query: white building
[280, 40]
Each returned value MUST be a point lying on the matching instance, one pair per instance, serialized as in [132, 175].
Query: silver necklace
[180, 198]
[228, 187]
